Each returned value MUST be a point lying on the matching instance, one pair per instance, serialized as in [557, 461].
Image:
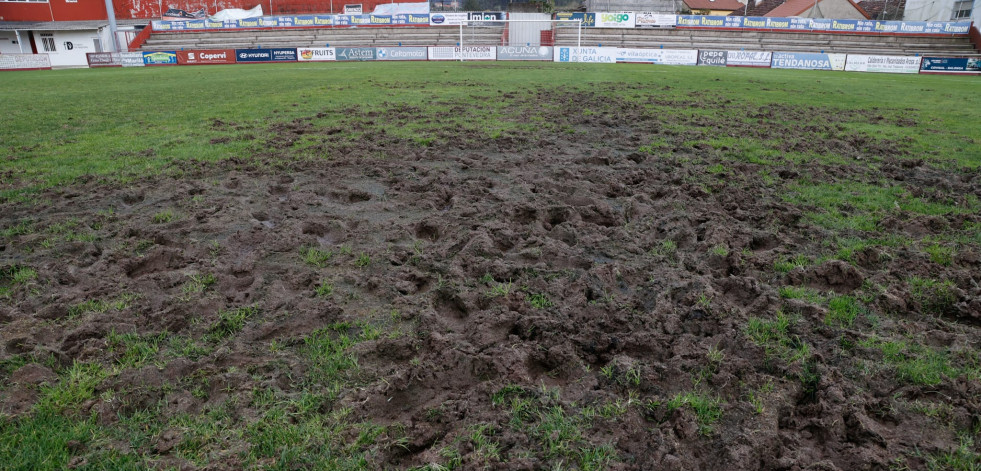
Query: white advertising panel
[888, 64]
[654, 20]
[658, 56]
[467, 53]
[131, 59]
[748, 59]
[447, 19]
[309, 54]
[605, 55]
[616, 20]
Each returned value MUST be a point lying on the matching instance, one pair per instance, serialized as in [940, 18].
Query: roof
[64, 25]
[758, 8]
[727, 5]
[796, 7]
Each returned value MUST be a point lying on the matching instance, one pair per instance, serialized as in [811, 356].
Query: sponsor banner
[363, 20]
[606, 55]
[888, 64]
[24, 61]
[355, 53]
[587, 19]
[210, 56]
[103, 59]
[447, 19]
[253, 55]
[468, 53]
[160, 58]
[401, 54]
[951, 65]
[283, 54]
[654, 20]
[411, 19]
[486, 18]
[131, 59]
[305, 54]
[807, 61]
[748, 59]
[524, 53]
[658, 56]
[715, 58]
[821, 24]
[308, 21]
[616, 20]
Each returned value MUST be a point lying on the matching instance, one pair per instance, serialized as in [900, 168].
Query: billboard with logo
[131, 59]
[160, 58]
[616, 20]
[807, 61]
[716, 58]
[524, 53]
[950, 65]
[748, 59]
[103, 59]
[209, 56]
[658, 56]
[654, 20]
[888, 64]
[447, 19]
[486, 18]
[265, 55]
[355, 53]
[605, 55]
[401, 54]
[308, 54]
[468, 53]
[587, 19]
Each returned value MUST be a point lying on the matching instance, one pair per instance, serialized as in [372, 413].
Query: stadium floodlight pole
[461, 39]
[111, 12]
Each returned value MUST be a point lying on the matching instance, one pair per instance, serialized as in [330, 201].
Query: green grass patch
[707, 409]
[934, 296]
[842, 311]
[775, 337]
[230, 322]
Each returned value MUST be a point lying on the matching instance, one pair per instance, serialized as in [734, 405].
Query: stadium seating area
[638, 38]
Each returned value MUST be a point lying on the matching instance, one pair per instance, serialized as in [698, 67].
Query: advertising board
[469, 53]
[355, 53]
[807, 61]
[524, 53]
[587, 19]
[654, 20]
[401, 54]
[887, 64]
[616, 20]
[748, 59]
[447, 18]
[950, 65]
[103, 59]
[160, 58]
[658, 56]
[24, 61]
[715, 58]
[605, 55]
[209, 56]
[131, 59]
[315, 54]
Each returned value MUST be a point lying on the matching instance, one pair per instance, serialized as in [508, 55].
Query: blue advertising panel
[410, 19]
[954, 65]
[160, 58]
[283, 54]
[253, 55]
[588, 19]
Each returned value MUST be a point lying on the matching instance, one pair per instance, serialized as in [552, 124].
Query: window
[36, 1]
[962, 9]
[48, 42]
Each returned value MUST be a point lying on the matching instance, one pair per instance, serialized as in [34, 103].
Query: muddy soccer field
[490, 267]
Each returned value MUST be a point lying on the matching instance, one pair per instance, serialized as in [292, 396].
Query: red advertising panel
[207, 56]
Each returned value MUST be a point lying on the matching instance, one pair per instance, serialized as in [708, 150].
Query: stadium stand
[640, 38]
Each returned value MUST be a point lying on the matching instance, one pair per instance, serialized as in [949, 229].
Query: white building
[943, 10]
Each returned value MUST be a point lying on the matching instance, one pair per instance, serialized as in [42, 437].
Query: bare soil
[532, 265]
